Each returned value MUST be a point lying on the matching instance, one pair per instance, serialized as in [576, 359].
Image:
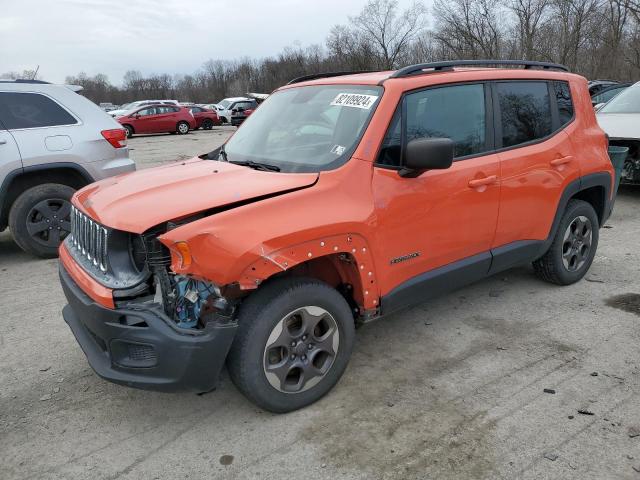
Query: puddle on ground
[628, 302]
[226, 459]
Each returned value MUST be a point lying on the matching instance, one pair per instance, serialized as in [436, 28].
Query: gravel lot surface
[451, 389]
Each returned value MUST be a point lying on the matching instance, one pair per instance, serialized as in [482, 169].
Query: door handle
[561, 161]
[483, 182]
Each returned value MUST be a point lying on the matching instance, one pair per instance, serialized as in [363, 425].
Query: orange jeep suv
[343, 198]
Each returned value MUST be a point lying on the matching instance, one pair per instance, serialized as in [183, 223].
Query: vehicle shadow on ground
[631, 191]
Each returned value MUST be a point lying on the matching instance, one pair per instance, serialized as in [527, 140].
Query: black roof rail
[315, 76]
[449, 65]
[23, 80]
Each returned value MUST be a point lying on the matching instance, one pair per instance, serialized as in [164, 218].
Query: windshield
[305, 129]
[224, 103]
[628, 101]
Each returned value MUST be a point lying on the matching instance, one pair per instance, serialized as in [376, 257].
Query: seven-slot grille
[89, 238]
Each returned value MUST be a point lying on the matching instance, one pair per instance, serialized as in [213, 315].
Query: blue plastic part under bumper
[140, 347]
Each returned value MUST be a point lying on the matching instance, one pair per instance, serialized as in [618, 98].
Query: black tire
[567, 261]
[207, 124]
[39, 218]
[258, 317]
[182, 128]
[129, 129]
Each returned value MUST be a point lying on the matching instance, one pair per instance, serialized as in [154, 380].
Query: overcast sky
[66, 37]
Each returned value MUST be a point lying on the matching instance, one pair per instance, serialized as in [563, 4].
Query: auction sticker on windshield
[356, 100]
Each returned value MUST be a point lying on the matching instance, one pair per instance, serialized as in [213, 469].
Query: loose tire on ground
[258, 337]
[39, 218]
[573, 248]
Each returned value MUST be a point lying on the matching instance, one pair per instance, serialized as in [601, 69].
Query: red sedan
[158, 119]
[205, 118]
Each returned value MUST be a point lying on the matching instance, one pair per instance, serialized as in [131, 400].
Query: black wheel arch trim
[14, 174]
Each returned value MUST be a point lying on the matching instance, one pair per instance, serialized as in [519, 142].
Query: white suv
[52, 142]
[226, 107]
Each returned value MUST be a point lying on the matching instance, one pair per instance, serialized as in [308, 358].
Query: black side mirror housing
[424, 154]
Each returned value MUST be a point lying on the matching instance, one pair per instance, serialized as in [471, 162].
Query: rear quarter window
[564, 102]
[31, 110]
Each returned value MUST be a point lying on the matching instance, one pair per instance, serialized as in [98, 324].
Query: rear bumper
[139, 347]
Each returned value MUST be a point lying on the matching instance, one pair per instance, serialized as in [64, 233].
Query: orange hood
[138, 201]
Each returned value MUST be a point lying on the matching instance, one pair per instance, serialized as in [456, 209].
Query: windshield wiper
[223, 154]
[257, 165]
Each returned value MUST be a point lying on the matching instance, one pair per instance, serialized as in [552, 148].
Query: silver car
[52, 142]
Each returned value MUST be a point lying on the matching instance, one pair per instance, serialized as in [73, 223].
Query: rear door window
[31, 110]
[525, 111]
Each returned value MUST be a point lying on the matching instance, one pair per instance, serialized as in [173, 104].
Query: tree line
[595, 38]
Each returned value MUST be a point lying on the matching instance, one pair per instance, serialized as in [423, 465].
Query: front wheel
[182, 128]
[294, 340]
[207, 124]
[574, 246]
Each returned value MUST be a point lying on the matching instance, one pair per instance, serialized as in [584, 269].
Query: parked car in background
[227, 106]
[607, 93]
[210, 106]
[139, 103]
[107, 106]
[158, 119]
[239, 115]
[205, 118]
[340, 201]
[620, 119]
[52, 142]
[596, 86]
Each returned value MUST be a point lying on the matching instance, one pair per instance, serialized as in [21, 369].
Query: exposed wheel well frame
[343, 261]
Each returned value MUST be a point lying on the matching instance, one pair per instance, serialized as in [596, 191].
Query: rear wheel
[39, 219]
[182, 128]
[574, 246]
[294, 340]
[129, 130]
[207, 124]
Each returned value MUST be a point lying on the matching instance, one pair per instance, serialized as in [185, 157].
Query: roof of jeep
[435, 77]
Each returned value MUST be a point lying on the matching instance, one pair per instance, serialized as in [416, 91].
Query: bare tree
[469, 28]
[529, 15]
[381, 32]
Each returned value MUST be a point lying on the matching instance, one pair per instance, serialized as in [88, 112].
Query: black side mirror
[427, 154]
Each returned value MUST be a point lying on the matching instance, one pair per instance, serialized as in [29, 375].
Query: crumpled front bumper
[140, 347]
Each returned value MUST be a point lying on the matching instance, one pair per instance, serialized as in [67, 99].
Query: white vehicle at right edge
[620, 119]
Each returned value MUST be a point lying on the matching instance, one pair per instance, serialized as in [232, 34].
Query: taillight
[116, 137]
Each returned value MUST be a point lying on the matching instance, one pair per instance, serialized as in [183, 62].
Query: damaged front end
[188, 302]
[165, 331]
[630, 174]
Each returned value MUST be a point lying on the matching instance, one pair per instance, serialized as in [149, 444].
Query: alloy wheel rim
[48, 221]
[182, 127]
[301, 349]
[576, 244]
